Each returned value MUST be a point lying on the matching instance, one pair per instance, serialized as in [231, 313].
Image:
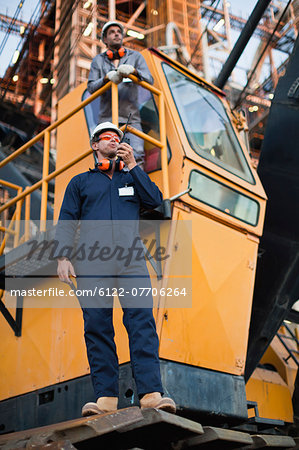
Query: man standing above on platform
[116, 64]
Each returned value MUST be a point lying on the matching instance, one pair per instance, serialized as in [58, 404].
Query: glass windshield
[223, 198]
[206, 123]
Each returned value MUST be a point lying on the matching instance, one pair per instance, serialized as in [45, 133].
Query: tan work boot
[155, 400]
[103, 405]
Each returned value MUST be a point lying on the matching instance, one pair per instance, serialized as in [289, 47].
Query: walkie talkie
[124, 138]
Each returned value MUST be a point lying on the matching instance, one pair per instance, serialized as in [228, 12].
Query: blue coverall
[92, 197]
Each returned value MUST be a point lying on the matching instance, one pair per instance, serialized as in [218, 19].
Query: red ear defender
[105, 164]
[119, 165]
[121, 52]
[116, 54]
[110, 54]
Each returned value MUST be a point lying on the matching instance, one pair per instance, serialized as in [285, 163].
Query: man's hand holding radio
[125, 152]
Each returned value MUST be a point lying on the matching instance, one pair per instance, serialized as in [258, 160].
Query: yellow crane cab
[197, 156]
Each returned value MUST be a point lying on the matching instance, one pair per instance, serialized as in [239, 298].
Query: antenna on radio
[123, 139]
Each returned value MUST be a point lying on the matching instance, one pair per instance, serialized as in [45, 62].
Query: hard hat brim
[106, 126]
[111, 24]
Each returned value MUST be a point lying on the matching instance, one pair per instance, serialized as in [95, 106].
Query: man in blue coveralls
[108, 193]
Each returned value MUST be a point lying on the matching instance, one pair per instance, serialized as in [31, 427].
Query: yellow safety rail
[45, 134]
[15, 220]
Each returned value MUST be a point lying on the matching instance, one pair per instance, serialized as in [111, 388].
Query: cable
[12, 22]
[82, 31]
[261, 55]
[31, 31]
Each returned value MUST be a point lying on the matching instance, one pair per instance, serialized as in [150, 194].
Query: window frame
[230, 188]
[201, 154]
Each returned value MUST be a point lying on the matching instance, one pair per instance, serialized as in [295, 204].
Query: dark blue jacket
[93, 196]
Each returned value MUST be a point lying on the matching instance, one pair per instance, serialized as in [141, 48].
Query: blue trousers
[102, 356]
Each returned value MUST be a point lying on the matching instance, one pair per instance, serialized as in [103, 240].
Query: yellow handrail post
[164, 162]
[114, 103]
[16, 216]
[2, 246]
[27, 216]
[8, 231]
[18, 219]
[43, 208]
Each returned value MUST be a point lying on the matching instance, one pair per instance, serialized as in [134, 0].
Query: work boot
[103, 405]
[155, 400]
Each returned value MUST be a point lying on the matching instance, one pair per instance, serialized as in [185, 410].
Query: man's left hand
[126, 69]
[125, 152]
[114, 76]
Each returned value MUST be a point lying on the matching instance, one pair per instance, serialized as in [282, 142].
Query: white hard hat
[110, 24]
[105, 126]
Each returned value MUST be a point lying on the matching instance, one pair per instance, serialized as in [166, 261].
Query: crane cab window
[207, 124]
[223, 198]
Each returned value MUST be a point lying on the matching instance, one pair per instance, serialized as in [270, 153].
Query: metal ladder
[292, 337]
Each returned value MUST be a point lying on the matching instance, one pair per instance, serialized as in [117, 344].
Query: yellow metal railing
[15, 220]
[46, 177]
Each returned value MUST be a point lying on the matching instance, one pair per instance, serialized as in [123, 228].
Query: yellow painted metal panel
[276, 355]
[214, 332]
[72, 140]
[51, 348]
[272, 395]
[36, 359]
